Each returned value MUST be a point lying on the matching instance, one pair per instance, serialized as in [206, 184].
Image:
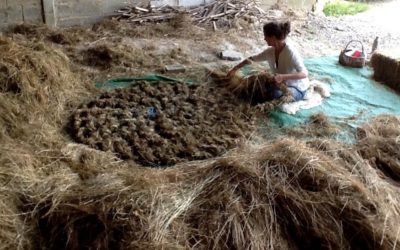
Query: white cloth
[289, 61]
[313, 98]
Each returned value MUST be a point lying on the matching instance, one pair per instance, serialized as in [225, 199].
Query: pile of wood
[214, 11]
[220, 10]
[149, 14]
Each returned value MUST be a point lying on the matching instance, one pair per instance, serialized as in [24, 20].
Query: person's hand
[278, 78]
[231, 73]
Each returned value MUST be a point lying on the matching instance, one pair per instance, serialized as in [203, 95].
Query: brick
[230, 55]
[175, 68]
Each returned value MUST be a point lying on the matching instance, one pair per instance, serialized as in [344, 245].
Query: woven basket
[352, 61]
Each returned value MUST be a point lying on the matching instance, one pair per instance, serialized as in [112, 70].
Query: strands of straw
[286, 194]
[252, 88]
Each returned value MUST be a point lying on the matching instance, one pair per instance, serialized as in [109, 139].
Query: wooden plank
[141, 9]
[260, 10]
[222, 14]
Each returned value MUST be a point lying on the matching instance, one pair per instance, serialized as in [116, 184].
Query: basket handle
[362, 45]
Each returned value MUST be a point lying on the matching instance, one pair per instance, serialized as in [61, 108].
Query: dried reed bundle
[386, 70]
[252, 88]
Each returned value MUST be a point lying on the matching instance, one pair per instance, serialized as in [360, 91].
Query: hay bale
[386, 70]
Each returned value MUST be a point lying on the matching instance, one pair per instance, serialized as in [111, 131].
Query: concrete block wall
[19, 11]
[58, 12]
[71, 12]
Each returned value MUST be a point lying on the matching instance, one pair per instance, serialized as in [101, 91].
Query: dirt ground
[320, 35]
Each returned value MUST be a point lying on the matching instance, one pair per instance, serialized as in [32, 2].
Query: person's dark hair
[278, 29]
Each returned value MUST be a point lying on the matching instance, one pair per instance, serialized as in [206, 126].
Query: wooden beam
[49, 13]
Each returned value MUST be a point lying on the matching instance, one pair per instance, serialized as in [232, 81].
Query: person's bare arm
[293, 76]
[255, 58]
[239, 66]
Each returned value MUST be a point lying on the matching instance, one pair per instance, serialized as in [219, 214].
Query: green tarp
[354, 98]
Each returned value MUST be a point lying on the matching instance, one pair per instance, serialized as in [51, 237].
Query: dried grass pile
[116, 57]
[104, 56]
[13, 232]
[386, 70]
[379, 142]
[163, 123]
[36, 86]
[177, 27]
[23, 69]
[287, 195]
[37, 89]
[43, 33]
[319, 125]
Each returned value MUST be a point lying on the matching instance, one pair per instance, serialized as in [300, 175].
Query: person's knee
[297, 95]
[277, 93]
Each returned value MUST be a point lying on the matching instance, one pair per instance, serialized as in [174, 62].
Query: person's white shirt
[289, 61]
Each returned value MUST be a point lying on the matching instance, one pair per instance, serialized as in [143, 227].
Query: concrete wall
[304, 4]
[18, 11]
[70, 12]
[75, 12]
[58, 12]
[295, 4]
